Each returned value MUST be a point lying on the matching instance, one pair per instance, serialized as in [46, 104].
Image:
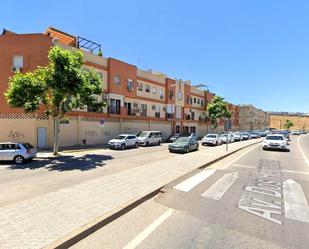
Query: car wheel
[147, 143]
[159, 142]
[123, 146]
[19, 159]
[197, 148]
[136, 145]
[187, 150]
[217, 143]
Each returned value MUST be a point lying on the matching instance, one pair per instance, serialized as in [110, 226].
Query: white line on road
[191, 182]
[148, 230]
[243, 166]
[295, 203]
[302, 152]
[237, 158]
[217, 190]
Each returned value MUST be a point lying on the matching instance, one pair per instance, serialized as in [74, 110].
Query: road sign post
[227, 127]
[102, 123]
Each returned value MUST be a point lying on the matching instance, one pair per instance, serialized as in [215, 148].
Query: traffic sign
[102, 122]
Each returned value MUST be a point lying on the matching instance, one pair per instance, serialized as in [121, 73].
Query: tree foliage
[288, 124]
[218, 109]
[58, 87]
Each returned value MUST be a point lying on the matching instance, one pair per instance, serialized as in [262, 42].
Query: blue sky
[249, 51]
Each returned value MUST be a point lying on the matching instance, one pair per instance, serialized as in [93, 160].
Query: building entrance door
[42, 137]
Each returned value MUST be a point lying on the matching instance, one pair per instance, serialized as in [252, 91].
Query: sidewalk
[47, 220]
[48, 154]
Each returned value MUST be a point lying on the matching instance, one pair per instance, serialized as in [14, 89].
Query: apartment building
[136, 99]
[252, 118]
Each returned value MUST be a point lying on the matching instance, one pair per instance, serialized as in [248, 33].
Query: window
[18, 61]
[202, 102]
[198, 101]
[130, 85]
[194, 100]
[171, 94]
[115, 106]
[117, 79]
[140, 86]
[143, 110]
[192, 115]
[100, 75]
[157, 113]
[147, 89]
[188, 99]
[154, 90]
[161, 94]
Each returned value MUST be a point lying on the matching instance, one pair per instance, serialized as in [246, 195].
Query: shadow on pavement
[66, 163]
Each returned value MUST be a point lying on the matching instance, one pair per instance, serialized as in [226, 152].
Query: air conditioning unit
[55, 40]
[15, 69]
[135, 105]
[153, 107]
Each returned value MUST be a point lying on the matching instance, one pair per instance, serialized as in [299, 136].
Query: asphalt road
[252, 199]
[42, 176]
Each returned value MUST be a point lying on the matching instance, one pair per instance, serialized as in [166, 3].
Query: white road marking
[302, 152]
[237, 158]
[191, 182]
[148, 230]
[217, 190]
[295, 203]
[243, 166]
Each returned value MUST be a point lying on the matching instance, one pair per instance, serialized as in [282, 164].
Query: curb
[78, 235]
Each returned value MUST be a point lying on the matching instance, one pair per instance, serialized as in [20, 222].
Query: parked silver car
[123, 141]
[238, 136]
[211, 139]
[17, 152]
[149, 138]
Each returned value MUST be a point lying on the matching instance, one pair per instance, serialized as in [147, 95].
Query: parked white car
[211, 139]
[232, 138]
[275, 141]
[149, 138]
[17, 152]
[296, 132]
[225, 138]
[123, 141]
[238, 136]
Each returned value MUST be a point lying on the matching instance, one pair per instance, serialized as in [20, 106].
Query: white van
[149, 138]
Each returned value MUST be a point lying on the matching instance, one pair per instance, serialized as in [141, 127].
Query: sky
[248, 51]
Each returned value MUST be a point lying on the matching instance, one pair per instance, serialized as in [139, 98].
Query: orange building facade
[136, 99]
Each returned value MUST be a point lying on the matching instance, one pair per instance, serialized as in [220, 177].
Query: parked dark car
[183, 145]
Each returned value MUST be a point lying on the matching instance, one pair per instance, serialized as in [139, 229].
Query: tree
[288, 124]
[218, 109]
[56, 88]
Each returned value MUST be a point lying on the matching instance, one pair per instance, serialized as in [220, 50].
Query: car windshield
[211, 136]
[223, 135]
[274, 138]
[182, 140]
[143, 134]
[28, 146]
[120, 137]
